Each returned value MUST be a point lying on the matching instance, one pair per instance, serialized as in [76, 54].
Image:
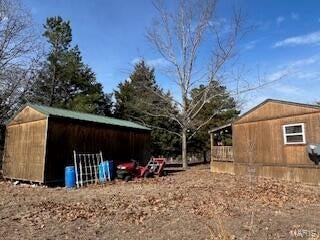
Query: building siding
[258, 142]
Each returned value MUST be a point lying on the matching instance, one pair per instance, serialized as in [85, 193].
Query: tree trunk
[184, 148]
[204, 156]
[53, 82]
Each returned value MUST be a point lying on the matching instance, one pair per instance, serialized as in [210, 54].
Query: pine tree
[65, 81]
[222, 107]
[140, 99]
[140, 90]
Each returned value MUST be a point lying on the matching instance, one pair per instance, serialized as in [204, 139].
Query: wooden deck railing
[222, 153]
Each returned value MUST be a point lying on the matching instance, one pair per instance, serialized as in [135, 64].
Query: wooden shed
[271, 140]
[222, 160]
[40, 141]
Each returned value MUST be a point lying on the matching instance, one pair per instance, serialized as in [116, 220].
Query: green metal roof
[51, 111]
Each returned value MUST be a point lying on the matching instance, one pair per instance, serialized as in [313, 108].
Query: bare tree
[20, 51]
[181, 35]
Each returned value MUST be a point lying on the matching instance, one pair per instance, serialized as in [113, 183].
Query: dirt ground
[194, 204]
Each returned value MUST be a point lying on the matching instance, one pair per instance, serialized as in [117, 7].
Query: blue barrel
[103, 171]
[112, 169]
[105, 168]
[70, 176]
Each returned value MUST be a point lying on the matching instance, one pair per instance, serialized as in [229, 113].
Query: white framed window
[294, 133]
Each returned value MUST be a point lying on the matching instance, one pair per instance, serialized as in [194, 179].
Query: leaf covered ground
[194, 204]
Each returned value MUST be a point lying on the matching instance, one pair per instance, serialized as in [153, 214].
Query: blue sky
[111, 36]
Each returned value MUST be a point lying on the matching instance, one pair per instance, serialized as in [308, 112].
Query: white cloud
[296, 69]
[296, 80]
[278, 74]
[305, 61]
[308, 75]
[287, 89]
[307, 39]
[295, 16]
[156, 63]
[279, 20]
[250, 45]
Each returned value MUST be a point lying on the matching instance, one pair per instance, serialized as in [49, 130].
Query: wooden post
[211, 144]
[75, 166]
[80, 167]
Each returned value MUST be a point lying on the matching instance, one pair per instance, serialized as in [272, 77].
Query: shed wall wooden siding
[25, 146]
[273, 110]
[118, 144]
[258, 136]
[38, 147]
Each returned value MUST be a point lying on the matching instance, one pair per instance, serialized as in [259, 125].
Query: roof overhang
[219, 128]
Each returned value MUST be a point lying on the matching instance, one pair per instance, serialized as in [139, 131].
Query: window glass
[294, 133]
[294, 129]
[294, 139]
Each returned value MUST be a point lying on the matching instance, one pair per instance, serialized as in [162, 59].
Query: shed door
[24, 151]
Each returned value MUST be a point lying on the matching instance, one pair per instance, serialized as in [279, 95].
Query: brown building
[271, 140]
[40, 141]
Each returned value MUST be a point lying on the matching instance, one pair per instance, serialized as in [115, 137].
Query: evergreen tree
[220, 110]
[65, 81]
[140, 99]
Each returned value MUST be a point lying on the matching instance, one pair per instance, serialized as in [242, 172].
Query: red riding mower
[128, 171]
